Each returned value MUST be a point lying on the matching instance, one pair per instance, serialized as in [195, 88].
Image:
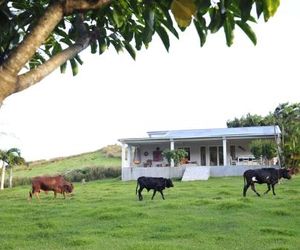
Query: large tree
[39, 36]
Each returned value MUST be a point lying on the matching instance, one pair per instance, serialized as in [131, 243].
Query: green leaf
[216, 20]
[245, 7]
[149, 29]
[117, 45]
[269, 8]
[63, 67]
[203, 6]
[201, 30]
[94, 46]
[102, 45]
[74, 67]
[248, 30]
[168, 23]
[118, 18]
[130, 49]
[78, 59]
[66, 41]
[147, 35]
[183, 11]
[138, 37]
[228, 28]
[259, 7]
[163, 36]
[149, 17]
[56, 48]
[61, 32]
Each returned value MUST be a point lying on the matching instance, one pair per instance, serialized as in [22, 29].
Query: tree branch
[34, 76]
[45, 26]
[10, 82]
[82, 5]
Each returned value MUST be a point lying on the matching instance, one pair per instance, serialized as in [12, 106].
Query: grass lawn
[60, 166]
[195, 215]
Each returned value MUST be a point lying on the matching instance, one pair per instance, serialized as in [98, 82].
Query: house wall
[132, 173]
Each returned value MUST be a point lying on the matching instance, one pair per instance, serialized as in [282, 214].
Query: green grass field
[62, 165]
[195, 215]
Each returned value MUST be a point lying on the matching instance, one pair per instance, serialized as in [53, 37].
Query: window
[157, 155]
[232, 152]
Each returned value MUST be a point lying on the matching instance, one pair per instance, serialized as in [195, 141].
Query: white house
[225, 151]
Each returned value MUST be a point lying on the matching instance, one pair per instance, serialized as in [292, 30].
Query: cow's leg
[55, 194]
[269, 188]
[245, 189]
[162, 195]
[140, 193]
[253, 188]
[273, 189]
[37, 195]
[154, 192]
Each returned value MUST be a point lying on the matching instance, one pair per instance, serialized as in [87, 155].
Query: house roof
[215, 133]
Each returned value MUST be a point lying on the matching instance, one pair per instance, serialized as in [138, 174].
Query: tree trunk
[10, 80]
[3, 176]
[10, 177]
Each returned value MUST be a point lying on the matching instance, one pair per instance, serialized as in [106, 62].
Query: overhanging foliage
[44, 35]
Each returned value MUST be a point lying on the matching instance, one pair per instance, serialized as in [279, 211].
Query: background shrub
[76, 175]
[112, 151]
[92, 173]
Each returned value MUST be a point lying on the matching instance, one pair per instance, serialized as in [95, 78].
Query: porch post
[123, 155]
[224, 151]
[172, 148]
[128, 156]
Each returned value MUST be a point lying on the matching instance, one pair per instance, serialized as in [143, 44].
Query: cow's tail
[30, 195]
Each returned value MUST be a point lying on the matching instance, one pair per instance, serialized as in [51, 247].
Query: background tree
[39, 36]
[251, 120]
[264, 150]
[287, 117]
[14, 159]
[9, 158]
[3, 158]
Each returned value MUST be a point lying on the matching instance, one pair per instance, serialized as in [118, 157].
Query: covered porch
[222, 152]
[227, 150]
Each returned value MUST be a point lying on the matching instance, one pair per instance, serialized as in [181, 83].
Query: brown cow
[57, 184]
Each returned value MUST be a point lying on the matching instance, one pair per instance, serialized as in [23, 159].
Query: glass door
[216, 156]
[213, 156]
[221, 158]
[203, 156]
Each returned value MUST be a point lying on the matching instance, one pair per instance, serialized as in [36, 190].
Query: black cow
[155, 183]
[270, 176]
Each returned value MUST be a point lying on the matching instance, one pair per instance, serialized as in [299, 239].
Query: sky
[188, 87]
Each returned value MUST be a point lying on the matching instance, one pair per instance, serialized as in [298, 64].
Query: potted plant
[176, 155]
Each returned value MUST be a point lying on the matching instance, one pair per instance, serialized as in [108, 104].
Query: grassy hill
[63, 164]
[208, 215]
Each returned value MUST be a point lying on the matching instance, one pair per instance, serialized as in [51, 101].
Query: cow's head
[169, 183]
[68, 187]
[285, 173]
